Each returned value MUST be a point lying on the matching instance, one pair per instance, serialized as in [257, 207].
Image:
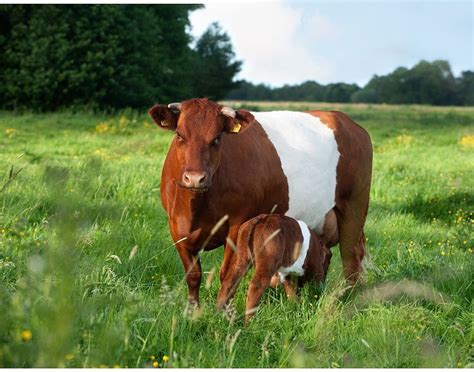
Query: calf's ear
[165, 117]
[236, 121]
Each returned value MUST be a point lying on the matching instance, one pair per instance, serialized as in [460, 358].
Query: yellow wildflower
[123, 122]
[100, 152]
[155, 364]
[102, 127]
[404, 139]
[467, 141]
[152, 357]
[26, 335]
[69, 356]
[10, 131]
[166, 358]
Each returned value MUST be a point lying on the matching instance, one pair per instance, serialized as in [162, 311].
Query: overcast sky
[330, 41]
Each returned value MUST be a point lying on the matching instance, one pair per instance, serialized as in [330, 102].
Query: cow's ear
[166, 117]
[236, 121]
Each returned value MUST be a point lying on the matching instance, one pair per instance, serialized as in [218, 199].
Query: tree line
[117, 56]
[109, 56]
[425, 83]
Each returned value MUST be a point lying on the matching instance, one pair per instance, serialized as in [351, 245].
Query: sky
[283, 42]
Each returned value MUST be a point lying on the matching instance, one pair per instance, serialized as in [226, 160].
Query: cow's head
[201, 128]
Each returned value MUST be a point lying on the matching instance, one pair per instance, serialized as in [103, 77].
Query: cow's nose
[194, 180]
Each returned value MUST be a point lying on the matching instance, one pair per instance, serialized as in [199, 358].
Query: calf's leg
[238, 267]
[290, 288]
[260, 282]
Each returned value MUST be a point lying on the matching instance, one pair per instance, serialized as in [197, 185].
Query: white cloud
[269, 38]
[321, 28]
[290, 41]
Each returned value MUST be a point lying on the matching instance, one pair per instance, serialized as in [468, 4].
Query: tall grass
[89, 276]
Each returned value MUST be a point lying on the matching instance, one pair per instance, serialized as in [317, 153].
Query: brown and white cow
[240, 164]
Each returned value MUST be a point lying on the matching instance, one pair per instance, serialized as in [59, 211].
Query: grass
[89, 276]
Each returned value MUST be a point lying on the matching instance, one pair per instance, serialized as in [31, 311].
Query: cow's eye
[217, 141]
[179, 137]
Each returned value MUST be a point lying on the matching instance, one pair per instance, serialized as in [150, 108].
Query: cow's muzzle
[195, 181]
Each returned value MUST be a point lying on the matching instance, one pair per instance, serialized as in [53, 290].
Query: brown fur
[255, 245]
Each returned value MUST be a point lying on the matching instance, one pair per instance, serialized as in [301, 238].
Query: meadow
[89, 276]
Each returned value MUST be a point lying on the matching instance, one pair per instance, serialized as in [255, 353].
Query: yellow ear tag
[236, 128]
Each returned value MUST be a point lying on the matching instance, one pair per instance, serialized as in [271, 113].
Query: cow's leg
[351, 220]
[192, 269]
[228, 251]
[327, 261]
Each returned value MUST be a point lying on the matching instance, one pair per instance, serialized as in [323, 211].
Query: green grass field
[89, 276]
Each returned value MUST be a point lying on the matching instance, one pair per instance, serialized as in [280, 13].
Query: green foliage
[307, 91]
[340, 92]
[89, 275]
[215, 64]
[245, 90]
[426, 83]
[107, 56]
[117, 56]
[466, 88]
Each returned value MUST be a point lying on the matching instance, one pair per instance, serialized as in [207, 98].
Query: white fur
[297, 266]
[309, 155]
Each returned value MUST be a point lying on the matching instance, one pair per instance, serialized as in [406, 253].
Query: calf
[275, 244]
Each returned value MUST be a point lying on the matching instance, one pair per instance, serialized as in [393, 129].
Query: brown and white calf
[239, 164]
[274, 244]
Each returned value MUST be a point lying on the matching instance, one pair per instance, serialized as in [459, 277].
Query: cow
[275, 245]
[226, 166]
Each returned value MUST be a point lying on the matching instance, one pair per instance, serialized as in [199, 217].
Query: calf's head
[201, 127]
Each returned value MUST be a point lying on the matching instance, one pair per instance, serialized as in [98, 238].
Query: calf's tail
[246, 238]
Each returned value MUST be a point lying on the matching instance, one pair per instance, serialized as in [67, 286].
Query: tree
[307, 91]
[339, 92]
[466, 88]
[96, 55]
[426, 82]
[248, 91]
[214, 64]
